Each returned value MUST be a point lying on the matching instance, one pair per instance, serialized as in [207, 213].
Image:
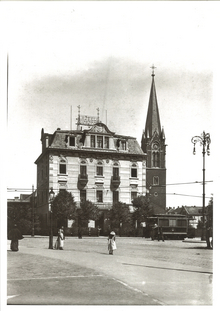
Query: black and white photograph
[108, 157]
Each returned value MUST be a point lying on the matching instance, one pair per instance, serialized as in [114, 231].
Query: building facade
[93, 164]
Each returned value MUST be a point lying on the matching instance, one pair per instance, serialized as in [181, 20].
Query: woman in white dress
[111, 242]
[61, 238]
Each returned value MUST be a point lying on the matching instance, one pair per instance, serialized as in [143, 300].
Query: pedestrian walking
[14, 236]
[160, 234]
[60, 239]
[111, 242]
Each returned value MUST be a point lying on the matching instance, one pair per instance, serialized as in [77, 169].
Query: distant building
[193, 213]
[15, 205]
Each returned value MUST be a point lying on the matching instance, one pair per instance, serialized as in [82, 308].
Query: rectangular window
[115, 196]
[155, 180]
[72, 140]
[83, 170]
[62, 168]
[164, 222]
[133, 195]
[107, 142]
[115, 172]
[123, 145]
[93, 141]
[99, 141]
[99, 170]
[99, 196]
[181, 222]
[134, 172]
[82, 195]
[172, 222]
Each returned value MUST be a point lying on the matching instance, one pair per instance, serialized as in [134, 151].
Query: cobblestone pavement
[141, 272]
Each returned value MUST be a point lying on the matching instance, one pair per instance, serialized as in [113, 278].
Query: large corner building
[94, 163]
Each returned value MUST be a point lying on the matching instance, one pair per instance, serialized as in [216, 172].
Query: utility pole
[32, 210]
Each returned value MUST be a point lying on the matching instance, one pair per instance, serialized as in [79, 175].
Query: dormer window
[100, 141]
[92, 141]
[72, 141]
[123, 145]
[106, 142]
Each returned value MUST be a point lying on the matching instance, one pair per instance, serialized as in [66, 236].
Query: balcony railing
[115, 181]
[82, 180]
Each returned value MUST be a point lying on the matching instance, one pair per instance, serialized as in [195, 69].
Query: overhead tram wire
[30, 189]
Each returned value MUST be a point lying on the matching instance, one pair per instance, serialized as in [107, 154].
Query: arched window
[62, 167]
[156, 159]
[134, 170]
[83, 168]
[115, 170]
[99, 168]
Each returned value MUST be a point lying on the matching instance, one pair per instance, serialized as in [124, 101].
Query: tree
[20, 213]
[64, 207]
[87, 211]
[143, 210]
[120, 216]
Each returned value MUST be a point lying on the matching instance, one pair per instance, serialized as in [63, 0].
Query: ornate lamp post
[204, 141]
[51, 197]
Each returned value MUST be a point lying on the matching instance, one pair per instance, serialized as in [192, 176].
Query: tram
[174, 226]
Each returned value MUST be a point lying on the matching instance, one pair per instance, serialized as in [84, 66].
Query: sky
[98, 55]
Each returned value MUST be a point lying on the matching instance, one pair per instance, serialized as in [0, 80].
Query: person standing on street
[61, 238]
[160, 234]
[154, 231]
[111, 242]
[14, 236]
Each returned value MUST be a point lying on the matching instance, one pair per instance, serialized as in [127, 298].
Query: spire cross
[97, 114]
[153, 67]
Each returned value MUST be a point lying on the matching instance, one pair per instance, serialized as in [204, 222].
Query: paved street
[141, 272]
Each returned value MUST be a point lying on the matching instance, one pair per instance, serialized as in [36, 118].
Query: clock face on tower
[155, 146]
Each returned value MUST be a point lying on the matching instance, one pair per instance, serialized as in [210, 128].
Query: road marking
[138, 290]
[165, 268]
[57, 277]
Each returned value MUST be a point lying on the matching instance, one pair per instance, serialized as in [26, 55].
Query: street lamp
[204, 141]
[51, 197]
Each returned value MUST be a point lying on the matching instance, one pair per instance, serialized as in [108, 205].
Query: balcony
[82, 180]
[99, 180]
[134, 181]
[115, 181]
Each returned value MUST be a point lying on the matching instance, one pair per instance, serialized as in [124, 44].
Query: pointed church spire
[163, 134]
[153, 118]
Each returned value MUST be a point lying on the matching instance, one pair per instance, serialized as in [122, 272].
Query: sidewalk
[194, 240]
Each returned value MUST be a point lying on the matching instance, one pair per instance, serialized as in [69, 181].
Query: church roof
[153, 118]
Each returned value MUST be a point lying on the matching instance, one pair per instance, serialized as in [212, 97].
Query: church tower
[153, 144]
